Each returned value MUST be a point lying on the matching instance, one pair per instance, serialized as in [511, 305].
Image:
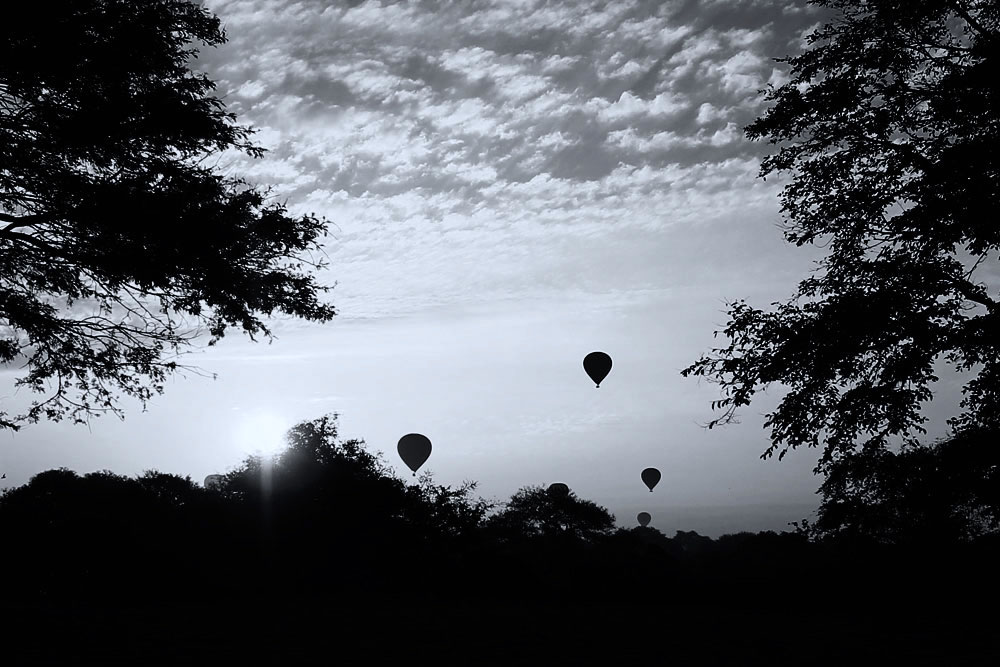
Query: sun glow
[262, 433]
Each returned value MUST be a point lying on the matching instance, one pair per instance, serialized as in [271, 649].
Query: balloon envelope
[558, 489]
[597, 365]
[644, 518]
[650, 477]
[414, 449]
[213, 481]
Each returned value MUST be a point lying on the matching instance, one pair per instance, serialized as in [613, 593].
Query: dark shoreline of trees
[324, 541]
[330, 518]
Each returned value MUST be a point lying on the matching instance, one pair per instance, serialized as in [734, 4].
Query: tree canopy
[888, 129]
[535, 511]
[121, 242]
[323, 540]
[945, 493]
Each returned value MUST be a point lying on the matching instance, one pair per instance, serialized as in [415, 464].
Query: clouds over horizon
[499, 147]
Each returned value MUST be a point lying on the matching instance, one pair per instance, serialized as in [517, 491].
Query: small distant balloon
[213, 481]
[414, 449]
[650, 477]
[597, 365]
[643, 518]
[558, 489]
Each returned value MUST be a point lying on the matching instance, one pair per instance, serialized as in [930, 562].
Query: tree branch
[21, 221]
[973, 23]
[968, 291]
[26, 238]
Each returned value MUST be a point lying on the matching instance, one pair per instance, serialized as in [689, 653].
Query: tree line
[331, 512]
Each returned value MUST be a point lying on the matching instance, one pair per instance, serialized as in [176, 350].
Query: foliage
[169, 489]
[448, 511]
[326, 528]
[157, 560]
[533, 511]
[101, 531]
[334, 500]
[888, 128]
[945, 493]
[121, 243]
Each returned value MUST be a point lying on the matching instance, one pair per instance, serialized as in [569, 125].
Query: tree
[323, 480]
[121, 244]
[534, 511]
[447, 512]
[888, 127]
[940, 494]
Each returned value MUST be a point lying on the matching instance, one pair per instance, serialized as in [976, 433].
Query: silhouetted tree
[120, 243]
[691, 543]
[449, 511]
[171, 490]
[944, 493]
[354, 550]
[341, 503]
[533, 511]
[98, 533]
[320, 474]
[888, 129]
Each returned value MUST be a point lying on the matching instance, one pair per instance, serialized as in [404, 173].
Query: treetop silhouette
[121, 245]
[887, 127]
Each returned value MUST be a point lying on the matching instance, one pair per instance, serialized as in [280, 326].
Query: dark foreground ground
[916, 630]
[338, 563]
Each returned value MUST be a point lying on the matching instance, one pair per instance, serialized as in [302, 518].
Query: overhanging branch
[22, 220]
[970, 292]
[973, 23]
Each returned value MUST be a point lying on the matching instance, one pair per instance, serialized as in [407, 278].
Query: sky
[510, 185]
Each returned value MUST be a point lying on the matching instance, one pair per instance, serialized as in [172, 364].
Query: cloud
[466, 150]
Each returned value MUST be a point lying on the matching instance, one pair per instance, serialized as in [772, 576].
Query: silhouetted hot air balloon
[650, 477]
[597, 365]
[414, 449]
[213, 481]
[558, 489]
[643, 518]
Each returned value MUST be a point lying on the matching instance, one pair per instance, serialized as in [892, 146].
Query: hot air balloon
[213, 481]
[414, 449]
[643, 518]
[558, 489]
[650, 477]
[597, 365]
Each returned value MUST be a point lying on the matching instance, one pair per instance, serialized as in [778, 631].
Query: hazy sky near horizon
[510, 185]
